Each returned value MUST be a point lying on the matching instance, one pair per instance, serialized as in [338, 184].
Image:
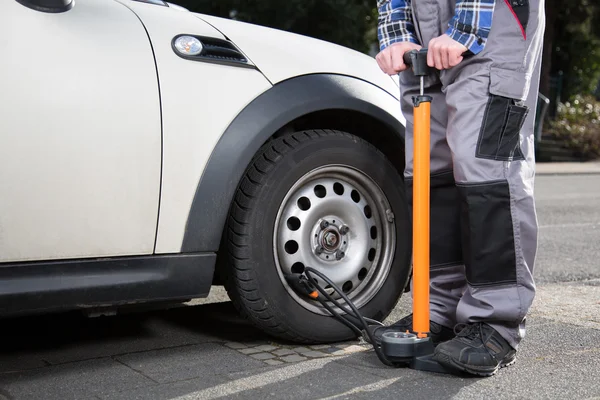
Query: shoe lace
[472, 332]
[468, 331]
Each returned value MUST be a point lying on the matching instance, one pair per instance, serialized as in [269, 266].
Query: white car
[147, 153]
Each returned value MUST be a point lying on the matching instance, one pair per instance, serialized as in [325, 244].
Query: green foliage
[577, 124]
[577, 46]
[349, 23]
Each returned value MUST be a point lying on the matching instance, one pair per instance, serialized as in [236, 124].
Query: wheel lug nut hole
[371, 255]
[373, 232]
[338, 188]
[320, 191]
[355, 196]
[293, 223]
[291, 247]
[367, 211]
[304, 203]
[298, 268]
[362, 274]
[347, 286]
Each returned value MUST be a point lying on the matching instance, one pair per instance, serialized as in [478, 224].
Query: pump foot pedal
[406, 349]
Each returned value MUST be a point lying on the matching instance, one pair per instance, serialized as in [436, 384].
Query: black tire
[251, 274]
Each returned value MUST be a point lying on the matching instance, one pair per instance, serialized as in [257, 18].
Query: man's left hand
[444, 52]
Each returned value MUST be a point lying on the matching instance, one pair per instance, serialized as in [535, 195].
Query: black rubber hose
[380, 355]
[341, 317]
[337, 303]
[345, 319]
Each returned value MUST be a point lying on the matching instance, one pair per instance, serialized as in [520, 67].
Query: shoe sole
[447, 361]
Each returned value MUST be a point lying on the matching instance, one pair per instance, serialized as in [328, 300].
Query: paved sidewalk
[207, 352]
[566, 168]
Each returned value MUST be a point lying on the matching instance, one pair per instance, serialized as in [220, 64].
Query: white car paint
[281, 55]
[199, 101]
[79, 133]
[84, 168]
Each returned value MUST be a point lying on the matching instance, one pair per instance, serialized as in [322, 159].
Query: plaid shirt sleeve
[471, 23]
[395, 22]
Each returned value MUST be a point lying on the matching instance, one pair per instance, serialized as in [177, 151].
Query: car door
[80, 132]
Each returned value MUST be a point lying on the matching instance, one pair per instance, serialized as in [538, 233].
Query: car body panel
[262, 118]
[199, 100]
[282, 55]
[79, 133]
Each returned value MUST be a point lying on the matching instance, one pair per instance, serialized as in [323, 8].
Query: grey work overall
[483, 218]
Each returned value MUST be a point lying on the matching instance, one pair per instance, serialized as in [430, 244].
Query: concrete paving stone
[266, 347]
[262, 356]
[236, 345]
[315, 354]
[343, 345]
[273, 362]
[83, 379]
[320, 346]
[189, 362]
[283, 352]
[354, 349]
[301, 349]
[293, 358]
[250, 350]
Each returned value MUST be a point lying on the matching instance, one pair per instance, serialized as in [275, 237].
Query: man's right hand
[391, 61]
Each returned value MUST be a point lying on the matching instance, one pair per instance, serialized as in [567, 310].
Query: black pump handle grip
[418, 60]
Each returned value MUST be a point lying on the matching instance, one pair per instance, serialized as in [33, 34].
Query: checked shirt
[469, 26]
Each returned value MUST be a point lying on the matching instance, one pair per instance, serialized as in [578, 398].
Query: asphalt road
[205, 351]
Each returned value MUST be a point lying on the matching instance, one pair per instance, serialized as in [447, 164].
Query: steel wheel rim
[354, 248]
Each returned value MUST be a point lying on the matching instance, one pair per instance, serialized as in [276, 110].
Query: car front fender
[256, 123]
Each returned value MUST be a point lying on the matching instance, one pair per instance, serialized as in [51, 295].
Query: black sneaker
[477, 349]
[439, 333]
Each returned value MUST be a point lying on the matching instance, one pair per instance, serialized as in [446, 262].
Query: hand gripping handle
[418, 60]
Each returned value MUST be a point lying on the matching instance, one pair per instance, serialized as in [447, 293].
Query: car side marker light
[188, 46]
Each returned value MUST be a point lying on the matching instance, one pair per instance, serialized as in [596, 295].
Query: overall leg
[491, 99]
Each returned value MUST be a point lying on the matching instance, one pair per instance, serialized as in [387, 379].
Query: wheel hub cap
[330, 240]
[334, 219]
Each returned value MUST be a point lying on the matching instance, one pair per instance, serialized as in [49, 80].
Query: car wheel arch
[322, 101]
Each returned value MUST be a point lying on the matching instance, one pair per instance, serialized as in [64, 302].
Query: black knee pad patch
[487, 232]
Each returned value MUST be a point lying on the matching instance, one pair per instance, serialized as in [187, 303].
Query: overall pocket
[504, 116]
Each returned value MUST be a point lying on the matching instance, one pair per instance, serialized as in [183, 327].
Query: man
[485, 57]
